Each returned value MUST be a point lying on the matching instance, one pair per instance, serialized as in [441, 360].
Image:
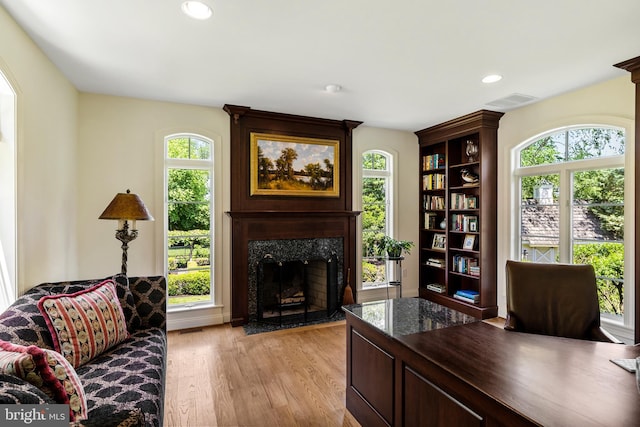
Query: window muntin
[571, 186]
[376, 215]
[189, 207]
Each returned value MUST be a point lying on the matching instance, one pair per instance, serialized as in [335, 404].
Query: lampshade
[126, 206]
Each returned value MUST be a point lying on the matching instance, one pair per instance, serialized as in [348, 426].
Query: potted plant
[391, 247]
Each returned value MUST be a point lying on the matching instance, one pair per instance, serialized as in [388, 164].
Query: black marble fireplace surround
[289, 250]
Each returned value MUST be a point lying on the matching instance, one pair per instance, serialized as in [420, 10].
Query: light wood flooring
[218, 376]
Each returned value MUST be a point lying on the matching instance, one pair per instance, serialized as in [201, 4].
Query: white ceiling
[403, 64]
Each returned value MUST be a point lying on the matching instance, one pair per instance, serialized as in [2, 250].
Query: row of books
[433, 161]
[429, 220]
[468, 296]
[465, 223]
[466, 265]
[463, 201]
[433, 202]
[434, 181]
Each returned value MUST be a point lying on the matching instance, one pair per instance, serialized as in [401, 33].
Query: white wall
[611, 102]
[120, 147]
[404, 147]
[46, 159]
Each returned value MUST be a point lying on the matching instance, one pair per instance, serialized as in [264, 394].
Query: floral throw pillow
[85, 324]
[47, 370]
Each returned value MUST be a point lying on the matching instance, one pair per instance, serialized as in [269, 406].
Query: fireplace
[287, 226]
[294, 279]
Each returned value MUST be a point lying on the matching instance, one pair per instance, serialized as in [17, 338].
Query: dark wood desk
[478, 374]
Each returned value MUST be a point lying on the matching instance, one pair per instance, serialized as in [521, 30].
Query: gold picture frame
[283, 165]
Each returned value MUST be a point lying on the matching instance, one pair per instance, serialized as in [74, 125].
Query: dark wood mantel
[261, 217]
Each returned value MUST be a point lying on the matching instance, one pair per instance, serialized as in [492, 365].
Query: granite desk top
[405, 316]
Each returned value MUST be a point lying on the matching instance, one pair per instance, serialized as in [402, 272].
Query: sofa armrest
[150, 298]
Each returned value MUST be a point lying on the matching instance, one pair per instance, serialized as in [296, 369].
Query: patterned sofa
[124, 385]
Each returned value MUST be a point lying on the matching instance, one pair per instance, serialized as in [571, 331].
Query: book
[437, 262]
[465, 299]
[468, 294]
[429, 220]
[436, 287]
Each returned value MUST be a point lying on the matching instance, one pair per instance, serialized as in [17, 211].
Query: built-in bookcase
[458, 187]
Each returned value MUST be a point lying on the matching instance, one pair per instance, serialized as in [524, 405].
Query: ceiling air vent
[512, 101]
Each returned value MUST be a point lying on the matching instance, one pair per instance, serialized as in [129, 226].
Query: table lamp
[126, 207]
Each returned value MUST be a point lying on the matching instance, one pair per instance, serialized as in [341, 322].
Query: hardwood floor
[218, 376]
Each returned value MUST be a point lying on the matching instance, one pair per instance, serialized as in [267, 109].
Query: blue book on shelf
[468, 293]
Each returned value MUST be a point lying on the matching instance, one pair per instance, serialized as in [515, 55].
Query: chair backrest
[552, 299]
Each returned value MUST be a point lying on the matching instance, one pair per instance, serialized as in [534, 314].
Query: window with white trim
[188, 220]
[377, 215]
[8, 196]
[571, 206]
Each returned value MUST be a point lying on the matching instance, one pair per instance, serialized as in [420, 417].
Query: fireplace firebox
[296, 290]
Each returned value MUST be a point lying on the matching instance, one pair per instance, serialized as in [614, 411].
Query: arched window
[377, 214]
[8, 217]
[188, 219]
[571, 203]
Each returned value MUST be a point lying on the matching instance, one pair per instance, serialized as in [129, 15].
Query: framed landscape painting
[283, 165]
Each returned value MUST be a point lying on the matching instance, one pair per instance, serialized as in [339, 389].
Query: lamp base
[125, 236]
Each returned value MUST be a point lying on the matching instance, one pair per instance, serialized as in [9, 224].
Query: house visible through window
[571, 206]
[376, 215]
[189, 213]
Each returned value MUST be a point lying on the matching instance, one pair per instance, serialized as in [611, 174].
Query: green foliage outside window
[192, 283]
[188, 199]
[188, 148]
[608, 262]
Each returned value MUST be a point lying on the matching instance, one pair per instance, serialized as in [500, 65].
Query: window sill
[193, 306]
[378, 286]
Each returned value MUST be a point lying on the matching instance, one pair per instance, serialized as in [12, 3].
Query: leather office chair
[554, 299]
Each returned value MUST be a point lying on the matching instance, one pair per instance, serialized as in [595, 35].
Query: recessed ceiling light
[196, 10]
[492, 78]
[333, 88]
